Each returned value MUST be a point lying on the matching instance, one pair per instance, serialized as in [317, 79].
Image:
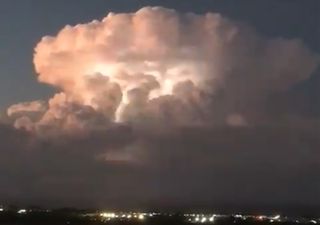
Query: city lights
[141, 217]
[22, 211]
[190, 218]
[203, 220]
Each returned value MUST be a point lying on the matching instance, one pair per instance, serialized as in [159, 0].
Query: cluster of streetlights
[125, 216]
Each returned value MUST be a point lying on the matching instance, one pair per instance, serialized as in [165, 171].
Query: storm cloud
[160, 106]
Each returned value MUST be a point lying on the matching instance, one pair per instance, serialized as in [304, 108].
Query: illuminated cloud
[27, 107]
[156, 71]
[157, 67]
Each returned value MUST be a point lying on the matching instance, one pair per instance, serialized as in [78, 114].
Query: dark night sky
[268, 165]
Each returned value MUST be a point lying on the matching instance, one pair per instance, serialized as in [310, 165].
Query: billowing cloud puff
[25, 114]
[27, 107]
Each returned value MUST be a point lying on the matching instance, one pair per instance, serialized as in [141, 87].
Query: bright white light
[211, 219]
[197, 219]
[108, 215]
[22, 211]
[1, 209]
[129, 216]
[276, 217]
[261, 217]
[141, 217]
[104, 69]
[313, 221]
[203, 220]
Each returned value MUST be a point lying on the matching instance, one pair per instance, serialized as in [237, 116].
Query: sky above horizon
[152, 95]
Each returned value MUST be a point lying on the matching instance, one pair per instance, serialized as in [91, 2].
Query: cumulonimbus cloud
[158, 66]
